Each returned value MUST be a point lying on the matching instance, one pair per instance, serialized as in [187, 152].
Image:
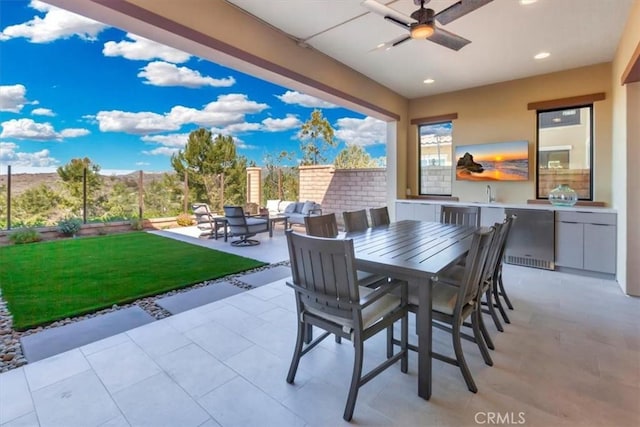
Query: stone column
[254, 185]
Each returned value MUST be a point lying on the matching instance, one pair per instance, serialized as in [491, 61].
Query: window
[435, 158]
[565, 150]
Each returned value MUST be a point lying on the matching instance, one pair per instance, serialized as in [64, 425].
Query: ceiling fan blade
[400, 41]
[459, 9]
[391, 14]
[448, 39]
[397, 22]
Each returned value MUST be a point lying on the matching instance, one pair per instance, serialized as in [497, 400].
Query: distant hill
[20, 182]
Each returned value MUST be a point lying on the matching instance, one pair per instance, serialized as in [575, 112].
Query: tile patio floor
[570, 357]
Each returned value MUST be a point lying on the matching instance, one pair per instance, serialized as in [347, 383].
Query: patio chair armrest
[383, 290]
[315, 211]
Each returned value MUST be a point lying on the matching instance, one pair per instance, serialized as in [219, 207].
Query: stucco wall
[499, 112]
[625, 151]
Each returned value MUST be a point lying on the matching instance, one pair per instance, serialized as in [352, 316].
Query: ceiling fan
[421, 24]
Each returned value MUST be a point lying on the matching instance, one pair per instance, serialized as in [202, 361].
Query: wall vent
[530, 262]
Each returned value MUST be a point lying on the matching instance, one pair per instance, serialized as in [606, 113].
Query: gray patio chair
[244, 226]
[355, 220]
[463, 215]
[379, 216]
[204, 219]
[321, 225]
[454, 301]
[328, 297]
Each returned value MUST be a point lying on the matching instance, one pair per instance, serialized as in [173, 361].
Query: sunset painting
[500, 161]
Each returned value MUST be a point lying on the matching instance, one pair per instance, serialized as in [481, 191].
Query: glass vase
[563, 195]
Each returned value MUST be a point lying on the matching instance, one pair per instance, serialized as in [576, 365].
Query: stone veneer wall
[340, 190]
[578, 179]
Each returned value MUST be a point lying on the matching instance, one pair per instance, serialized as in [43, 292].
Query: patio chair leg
[355, 379]
[492, 308]
[502, 291]
[297, 354]
[457, 347]
[475, 323]
[498, 303]
[485, 333]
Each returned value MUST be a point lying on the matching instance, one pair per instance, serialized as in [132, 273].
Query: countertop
[547, 207]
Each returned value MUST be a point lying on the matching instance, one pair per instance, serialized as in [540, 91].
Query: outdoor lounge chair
[205, 219]
[244, 226]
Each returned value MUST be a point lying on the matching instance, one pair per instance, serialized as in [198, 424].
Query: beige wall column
[254, 185]
[314, 182]
[626, 147]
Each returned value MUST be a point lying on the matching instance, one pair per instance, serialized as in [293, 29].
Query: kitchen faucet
[489, 195]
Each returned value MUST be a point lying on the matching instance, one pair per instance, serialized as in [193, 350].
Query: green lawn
[44, 282]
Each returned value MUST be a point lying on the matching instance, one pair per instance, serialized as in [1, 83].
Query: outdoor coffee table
[274, 219]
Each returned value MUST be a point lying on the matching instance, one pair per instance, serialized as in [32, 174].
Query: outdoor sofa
[294, 211]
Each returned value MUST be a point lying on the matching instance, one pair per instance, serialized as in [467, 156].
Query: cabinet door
[405, 210]
[489, 216]
[600, 248]
[425, 212]
[569, 244]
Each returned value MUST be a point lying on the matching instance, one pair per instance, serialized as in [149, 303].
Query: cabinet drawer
[586, 217]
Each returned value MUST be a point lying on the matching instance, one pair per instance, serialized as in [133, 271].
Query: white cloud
[12, 98]
[28, 129]
[160, 73]
[279, 125]
[227, 110]
[297, 98]
[142, 163]
[367, 131]
[42, 112]
[56, 24]
[10, 155]
[135, 123]
[236, 128]
[74, 132]
[178, 140]
[162, 151]
[144, 49]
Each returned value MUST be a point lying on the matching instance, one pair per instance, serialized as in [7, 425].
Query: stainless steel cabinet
[586, 241]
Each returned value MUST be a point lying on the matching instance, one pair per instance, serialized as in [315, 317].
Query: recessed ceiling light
[429, 81]
[527, 2]
[542, 55]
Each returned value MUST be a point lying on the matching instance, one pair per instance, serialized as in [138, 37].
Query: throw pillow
[291, 208]
[307, 207]
[299, 206]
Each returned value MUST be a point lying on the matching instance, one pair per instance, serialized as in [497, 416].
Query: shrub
[136, 224]
[184, 220]
[25, 235]
[69, 226]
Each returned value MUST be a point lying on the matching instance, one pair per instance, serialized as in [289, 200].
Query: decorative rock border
[11, 355]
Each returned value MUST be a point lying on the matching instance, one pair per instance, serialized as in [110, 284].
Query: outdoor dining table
[415, 251]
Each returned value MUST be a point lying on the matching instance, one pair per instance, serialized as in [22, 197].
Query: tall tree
[316, 136]
[72, 176]
[210, 166]
[354, 157]
[280, 182]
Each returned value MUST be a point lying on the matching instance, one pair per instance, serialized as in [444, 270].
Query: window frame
[539, 111]
[443, 120]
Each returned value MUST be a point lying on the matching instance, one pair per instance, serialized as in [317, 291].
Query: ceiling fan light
[421, 31]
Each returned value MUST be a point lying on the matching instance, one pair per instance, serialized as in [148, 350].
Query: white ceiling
[505, 36]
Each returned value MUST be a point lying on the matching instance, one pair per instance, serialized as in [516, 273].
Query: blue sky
[72, 87]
